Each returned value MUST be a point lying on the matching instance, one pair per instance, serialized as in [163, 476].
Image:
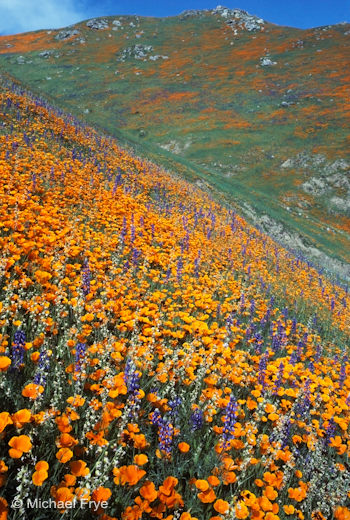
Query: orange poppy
[78, 468]
[19, 445]
[207, 497]
[5, 420]
[141, 459]
[221, 506]
[148, 491]
[21, 417]
[39, 477]
[64, 455]
[101, 494]
[5, 362]
[32, 391]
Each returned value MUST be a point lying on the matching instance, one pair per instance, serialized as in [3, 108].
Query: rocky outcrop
[266, 61]
[241, 19]
[296, 243]
[137, 52]
[97, 24]
[65, 34]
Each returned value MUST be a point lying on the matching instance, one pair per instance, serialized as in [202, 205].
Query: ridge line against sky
[28, 15]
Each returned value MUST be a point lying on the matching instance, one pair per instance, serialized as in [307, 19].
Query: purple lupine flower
[117, 182]
[86, 278]
[17, 353]
[166, 434]
[132, 230]
[123, 231]
[156, 418]
[43, 368]
[229, 421]
[262, 369]
[196, 419]
[179, 267]
[276, 343]
[330, 431]
[252, 307]
[80, 350]
[279, 378]
[132, 381]
[318, 353]
[286, 434]
[136, 253]
[303, 408]
[174, 407]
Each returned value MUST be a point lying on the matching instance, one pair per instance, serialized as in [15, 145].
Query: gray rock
[46, 54]
[158, 57]
[341, 205]
[241, 19]
[265, 61]
[336, 166]
[315, 186]
[137, 52]
[97, 24]
[65, 34]
[304, 160]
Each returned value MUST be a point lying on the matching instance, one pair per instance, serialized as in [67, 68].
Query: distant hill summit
[256, 113]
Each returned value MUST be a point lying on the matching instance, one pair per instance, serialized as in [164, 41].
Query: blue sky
[28, 15]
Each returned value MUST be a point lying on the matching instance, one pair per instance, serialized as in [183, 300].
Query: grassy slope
[216, 111]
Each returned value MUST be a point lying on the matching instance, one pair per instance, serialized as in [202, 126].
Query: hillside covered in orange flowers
[159, 357]
[255, 112]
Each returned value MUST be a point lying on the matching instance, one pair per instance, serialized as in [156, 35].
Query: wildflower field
[159, 357]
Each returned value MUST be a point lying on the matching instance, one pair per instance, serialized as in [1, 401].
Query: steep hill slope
[159, 357]
[258, 111]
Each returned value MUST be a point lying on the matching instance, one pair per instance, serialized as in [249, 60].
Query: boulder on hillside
[266, 61]
[97, 23]
[65, 34]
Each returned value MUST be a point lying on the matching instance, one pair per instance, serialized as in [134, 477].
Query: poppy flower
[148, 491]
[39, 477]
[64, 455]
[3, 508]
[207, 497]
[21, 417]
[130, 475]
[5, 420]
[101, 494]
[241, 510]
[32, 391]
[5, 362]
[141, 459]
[184, 447]
[64, 495]
[19, 445]
[221, 506]
[202, 485]
[78, 468]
